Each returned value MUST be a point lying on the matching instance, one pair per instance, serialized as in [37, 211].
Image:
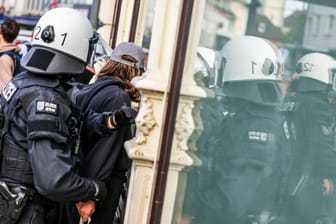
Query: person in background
[243, 148]
[105, 158]
[311, 112]
[24, 47]
[9, 52]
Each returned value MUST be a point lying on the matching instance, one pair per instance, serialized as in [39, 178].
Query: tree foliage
[296, 24]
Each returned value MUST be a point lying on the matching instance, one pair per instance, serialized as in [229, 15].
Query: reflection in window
[317, 24]
[309, 24]
[262, 27]
[305, 28]
[329, 24]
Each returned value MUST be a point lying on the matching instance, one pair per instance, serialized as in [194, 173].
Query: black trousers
[105, 212]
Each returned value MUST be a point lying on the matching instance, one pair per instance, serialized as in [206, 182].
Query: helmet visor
[216, 75]
[265, 92]
[92, 49]
[332, 78]
[305, 84]
[44, 60]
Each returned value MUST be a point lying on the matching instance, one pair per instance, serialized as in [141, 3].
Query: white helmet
[63, 43]
[250, 69]
[315, 72]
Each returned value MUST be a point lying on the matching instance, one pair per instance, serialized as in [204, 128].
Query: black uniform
[36, 152]
[314, 122]
[245, 168]
[105, 158]
[207, 133]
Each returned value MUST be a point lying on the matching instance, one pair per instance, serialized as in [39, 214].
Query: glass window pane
[264, 145]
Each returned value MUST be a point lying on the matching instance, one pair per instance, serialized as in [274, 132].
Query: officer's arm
[50, 155]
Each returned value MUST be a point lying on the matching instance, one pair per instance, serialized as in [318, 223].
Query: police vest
[21, 169]
[254, 135]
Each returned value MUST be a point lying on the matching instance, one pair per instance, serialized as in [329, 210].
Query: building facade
[320, 27]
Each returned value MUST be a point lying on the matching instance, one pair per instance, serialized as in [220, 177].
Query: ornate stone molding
[135, 152]
[145, 121]
[184, 125]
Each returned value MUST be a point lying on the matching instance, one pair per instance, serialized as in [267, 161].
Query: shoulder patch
[259, 136]
[46, 107]
[9, 91]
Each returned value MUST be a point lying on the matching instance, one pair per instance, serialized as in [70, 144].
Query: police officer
[312, 114]
[39, 126]
[245, 165]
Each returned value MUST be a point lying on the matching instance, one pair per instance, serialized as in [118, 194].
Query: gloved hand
[122, 117]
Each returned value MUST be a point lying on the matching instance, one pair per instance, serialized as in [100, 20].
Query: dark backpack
[16, 58]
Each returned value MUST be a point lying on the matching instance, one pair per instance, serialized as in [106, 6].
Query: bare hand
[328, 186]
[86, 209]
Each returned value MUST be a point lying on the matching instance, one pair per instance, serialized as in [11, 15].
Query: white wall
[319, 29]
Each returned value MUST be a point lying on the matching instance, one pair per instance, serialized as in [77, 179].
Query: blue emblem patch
[46, 107]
